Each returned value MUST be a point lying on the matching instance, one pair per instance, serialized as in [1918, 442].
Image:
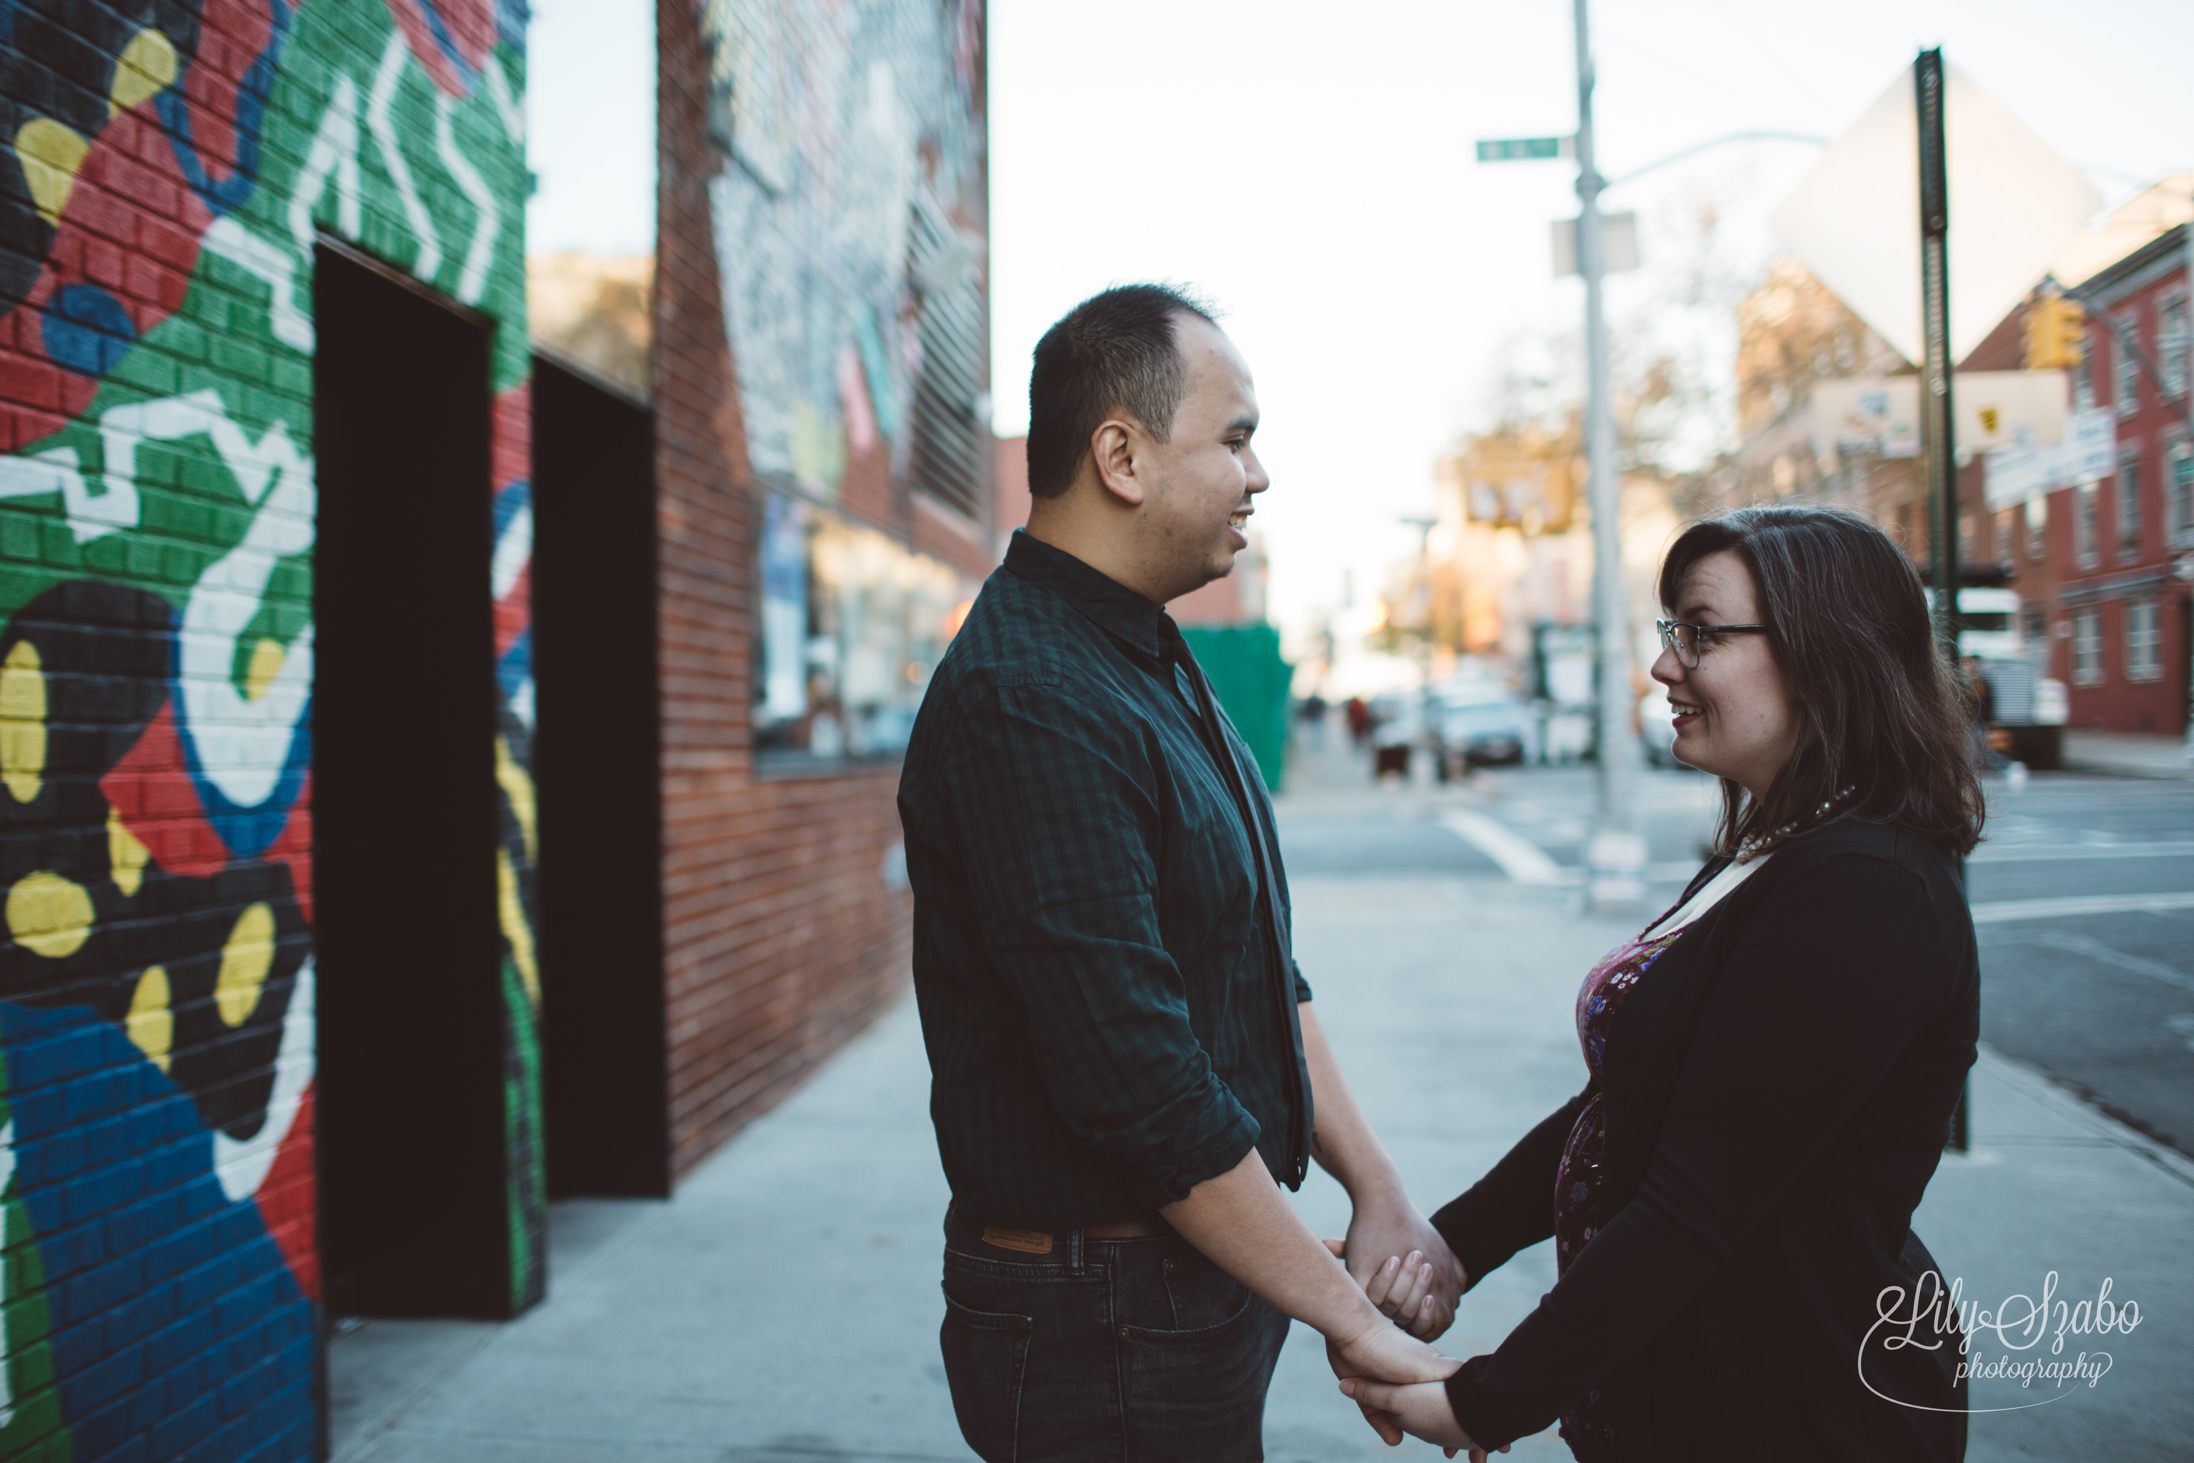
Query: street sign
[1618, 236]
[1524, 149]
[2014, 204]
[1998, 412]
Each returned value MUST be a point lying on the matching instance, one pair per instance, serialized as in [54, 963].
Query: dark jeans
[1104, 1351]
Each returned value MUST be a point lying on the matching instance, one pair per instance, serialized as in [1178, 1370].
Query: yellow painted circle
[245, 961]
[49, 915]
[23, 722]
[151, 1022]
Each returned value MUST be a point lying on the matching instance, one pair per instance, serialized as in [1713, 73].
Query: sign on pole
[1524, 149]
[1854, 219]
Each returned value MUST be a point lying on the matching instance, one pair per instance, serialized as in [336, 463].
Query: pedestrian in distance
[1126, 1063]
[1774, 1062]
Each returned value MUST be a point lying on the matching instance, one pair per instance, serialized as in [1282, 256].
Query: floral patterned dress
[1589, 1430]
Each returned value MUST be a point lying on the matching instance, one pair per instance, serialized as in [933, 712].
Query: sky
[1310, 169]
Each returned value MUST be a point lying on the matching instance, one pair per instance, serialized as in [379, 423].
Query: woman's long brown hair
[1848, 623]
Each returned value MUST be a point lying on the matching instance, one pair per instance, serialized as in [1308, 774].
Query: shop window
[2087, 648]
[2129, 505]
[2143, 660]
[852, 625]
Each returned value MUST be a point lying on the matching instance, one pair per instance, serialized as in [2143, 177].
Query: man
[1124, 1057]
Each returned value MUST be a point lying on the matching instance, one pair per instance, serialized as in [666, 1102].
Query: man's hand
[1420, 1409]
[1388, 1251]
[1391, 1355]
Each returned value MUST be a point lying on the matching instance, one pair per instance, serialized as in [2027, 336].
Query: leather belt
[1042, 1242]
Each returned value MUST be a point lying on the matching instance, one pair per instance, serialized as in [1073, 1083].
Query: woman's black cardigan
[1778, 1089]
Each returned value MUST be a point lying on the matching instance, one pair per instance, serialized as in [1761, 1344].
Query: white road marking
[1521, 859]
[1997, 911]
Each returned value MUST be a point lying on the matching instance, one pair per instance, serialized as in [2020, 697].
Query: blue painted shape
[251, 117]
[516, 666]
[447, 44]
[246, 1296]
[247, 830]
[87, 330]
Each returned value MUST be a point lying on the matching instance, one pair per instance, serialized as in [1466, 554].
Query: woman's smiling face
[1735, 715]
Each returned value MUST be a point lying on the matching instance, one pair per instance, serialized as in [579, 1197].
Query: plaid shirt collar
[1106, 603]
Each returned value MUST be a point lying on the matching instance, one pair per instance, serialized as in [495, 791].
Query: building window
[2180, 455]
[2083, 373]
[2129, 505]
[2142, 652]
[852, 625]
[2087, 648]
[2084, 508]
[2173, 344]
[2125, 379]
[2037, 527]
[1966, 528]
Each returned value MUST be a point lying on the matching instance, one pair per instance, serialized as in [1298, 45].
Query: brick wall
[783, 936]
[158, 209]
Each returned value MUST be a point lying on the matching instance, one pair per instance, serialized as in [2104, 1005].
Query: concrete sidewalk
[784, 1306]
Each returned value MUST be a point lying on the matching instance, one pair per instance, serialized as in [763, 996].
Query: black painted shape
[414, 1207]
[596, 771]
[106, 653]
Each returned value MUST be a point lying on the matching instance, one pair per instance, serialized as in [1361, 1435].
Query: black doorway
[605, 1044]
[414, 1209]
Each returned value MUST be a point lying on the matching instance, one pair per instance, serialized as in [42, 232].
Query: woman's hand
[1420, 1409]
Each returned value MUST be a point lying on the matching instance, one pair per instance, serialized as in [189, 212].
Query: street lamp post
[1615, 858]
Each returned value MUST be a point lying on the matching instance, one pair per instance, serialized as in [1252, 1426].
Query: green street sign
[1522, 149]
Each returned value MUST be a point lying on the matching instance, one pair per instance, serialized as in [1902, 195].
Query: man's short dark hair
[1113, 352]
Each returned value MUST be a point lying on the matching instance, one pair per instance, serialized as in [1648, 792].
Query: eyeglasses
[1687, 640]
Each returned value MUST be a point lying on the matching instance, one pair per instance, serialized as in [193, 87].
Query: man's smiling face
[1204, 477]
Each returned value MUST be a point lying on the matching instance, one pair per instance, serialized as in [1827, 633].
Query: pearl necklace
[1760, 843]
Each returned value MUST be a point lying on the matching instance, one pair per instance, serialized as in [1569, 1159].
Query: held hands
[1403, 1266]
[1420, 1409]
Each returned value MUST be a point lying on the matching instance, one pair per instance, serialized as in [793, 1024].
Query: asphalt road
[2102, 1000]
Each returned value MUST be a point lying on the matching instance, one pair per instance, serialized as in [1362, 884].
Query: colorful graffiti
[852, 222]
[168, 168]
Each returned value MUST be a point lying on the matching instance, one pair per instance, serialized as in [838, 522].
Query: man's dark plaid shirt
[1103, 1026]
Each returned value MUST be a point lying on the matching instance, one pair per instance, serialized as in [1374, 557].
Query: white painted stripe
[2034, 853]
[1519, 858]
[1997, 911]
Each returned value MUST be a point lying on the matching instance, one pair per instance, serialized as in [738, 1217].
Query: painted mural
[853, 208]
[168, 163]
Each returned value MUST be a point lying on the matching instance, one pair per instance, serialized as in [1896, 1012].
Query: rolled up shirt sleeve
[1058, 813]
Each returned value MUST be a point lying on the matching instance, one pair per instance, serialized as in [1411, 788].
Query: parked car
[1477, 724]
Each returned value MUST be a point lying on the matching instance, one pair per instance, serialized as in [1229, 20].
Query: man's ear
[1113, 445]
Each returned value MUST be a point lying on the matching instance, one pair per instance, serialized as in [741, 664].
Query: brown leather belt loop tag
[1027, 1241]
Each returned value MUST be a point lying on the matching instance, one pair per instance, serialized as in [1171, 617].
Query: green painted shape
[1251, 680]
[527, 1176]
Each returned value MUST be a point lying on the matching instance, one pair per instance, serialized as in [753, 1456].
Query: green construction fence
[1251, 681]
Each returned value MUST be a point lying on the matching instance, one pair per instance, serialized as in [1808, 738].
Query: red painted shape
[231, 37]
[152, 794]
[288, 1199]
[294, 847]
[511, 459]
[471, 26]
[514, 611]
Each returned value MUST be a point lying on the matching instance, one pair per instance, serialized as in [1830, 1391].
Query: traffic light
[2056, 334]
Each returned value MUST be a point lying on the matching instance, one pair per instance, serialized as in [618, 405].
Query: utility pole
[1938, 425]
[1615, 858]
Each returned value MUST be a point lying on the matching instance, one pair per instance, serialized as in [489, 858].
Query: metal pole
[1615, 859]
[1938, 424]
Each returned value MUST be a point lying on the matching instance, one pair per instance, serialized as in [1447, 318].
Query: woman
[1774, 1062]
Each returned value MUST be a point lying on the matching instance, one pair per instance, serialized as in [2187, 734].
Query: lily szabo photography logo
[2006, 1344]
